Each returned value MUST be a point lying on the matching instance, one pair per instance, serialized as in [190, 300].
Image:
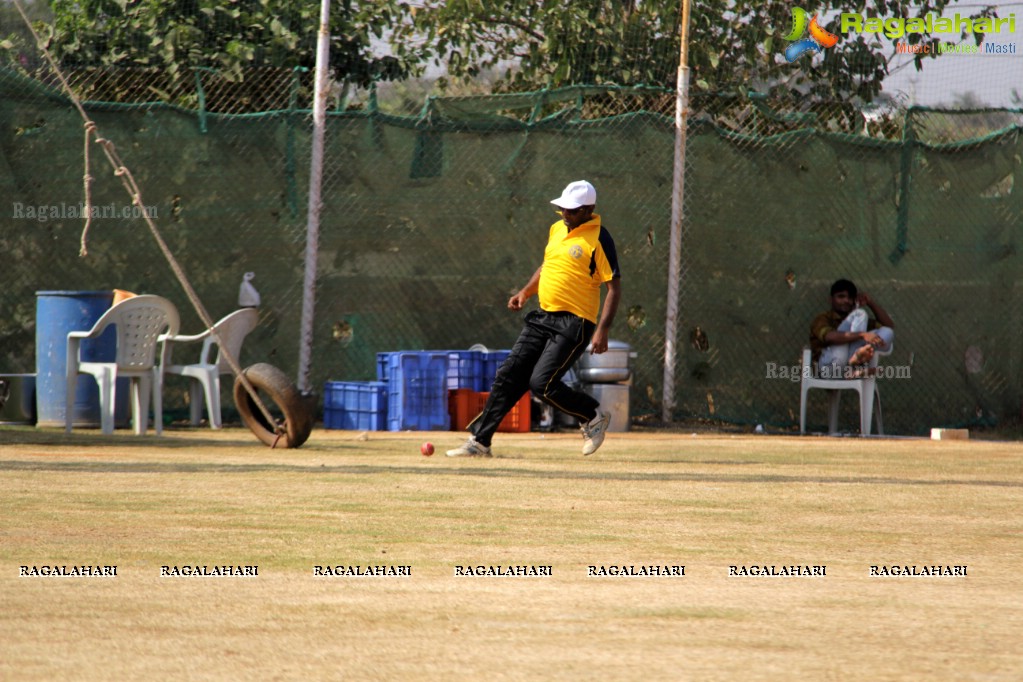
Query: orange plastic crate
[464, 405]
[516, 421]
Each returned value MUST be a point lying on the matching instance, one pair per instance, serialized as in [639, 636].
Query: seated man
[843, 339]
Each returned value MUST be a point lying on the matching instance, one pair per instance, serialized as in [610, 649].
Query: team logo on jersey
[576, 252]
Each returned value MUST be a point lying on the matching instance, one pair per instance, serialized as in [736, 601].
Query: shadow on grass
[185, 439]
[123, 438]
[500, 472]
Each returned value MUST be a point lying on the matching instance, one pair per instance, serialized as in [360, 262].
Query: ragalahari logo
[818, 40]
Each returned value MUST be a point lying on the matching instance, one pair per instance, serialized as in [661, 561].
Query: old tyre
[282, 399]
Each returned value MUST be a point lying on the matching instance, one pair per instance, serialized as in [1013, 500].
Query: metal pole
[315, 203]
[677, 216]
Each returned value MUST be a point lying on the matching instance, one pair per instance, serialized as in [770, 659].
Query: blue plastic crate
[417, 392]
[355, 405]
[465, 370]
[383, 359]
[492, 360]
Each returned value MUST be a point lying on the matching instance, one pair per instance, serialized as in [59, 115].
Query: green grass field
[702, 501]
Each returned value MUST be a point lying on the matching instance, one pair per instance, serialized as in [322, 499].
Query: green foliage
[734, 45]
[17, 48]
[175, 36]
[549, 44]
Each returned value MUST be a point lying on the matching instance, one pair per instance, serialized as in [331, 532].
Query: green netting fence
[431, 221]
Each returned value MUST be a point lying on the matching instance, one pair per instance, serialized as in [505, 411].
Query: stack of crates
[467, 399]
[421, 391]
[410, 394]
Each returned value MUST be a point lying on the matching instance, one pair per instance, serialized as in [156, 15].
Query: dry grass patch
[706, 502]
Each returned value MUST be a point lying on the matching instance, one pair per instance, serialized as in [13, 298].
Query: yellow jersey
[575, 264]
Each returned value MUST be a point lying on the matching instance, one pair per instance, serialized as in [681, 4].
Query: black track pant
[547, 347]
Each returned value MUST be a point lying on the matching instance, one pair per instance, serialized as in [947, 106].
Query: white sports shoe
[594, 432]
[471, 449]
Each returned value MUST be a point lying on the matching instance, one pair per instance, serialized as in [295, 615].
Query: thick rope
[87, 182]
[128, 181]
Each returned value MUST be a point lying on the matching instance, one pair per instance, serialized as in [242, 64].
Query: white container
[605, 375]
[618, 355]
[248, 297]
[613, 397]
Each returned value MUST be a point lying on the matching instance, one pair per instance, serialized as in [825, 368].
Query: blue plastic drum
[57, 313]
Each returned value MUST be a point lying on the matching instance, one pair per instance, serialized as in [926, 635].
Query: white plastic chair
[139, 321]
[205, 374]
[866, 387]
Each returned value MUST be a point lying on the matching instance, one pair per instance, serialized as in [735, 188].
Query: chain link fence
[920, 208]
[430, 222]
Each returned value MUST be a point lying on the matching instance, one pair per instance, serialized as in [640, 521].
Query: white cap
[579, 193]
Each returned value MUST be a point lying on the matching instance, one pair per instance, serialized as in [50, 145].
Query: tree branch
[511, 23]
